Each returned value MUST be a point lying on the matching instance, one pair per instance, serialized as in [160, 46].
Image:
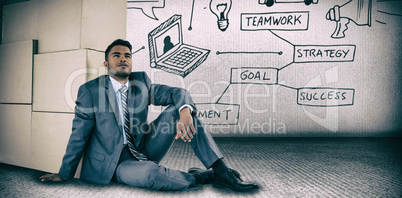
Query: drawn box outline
[348, 45]
[328, 88]
[273, 68]
[267, 29]
[237, 117]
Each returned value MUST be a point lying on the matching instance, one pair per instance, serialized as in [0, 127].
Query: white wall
[368, 75]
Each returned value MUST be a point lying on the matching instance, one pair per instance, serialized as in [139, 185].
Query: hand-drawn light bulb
[221, 9]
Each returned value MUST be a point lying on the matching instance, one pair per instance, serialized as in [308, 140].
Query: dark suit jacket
[97, 131]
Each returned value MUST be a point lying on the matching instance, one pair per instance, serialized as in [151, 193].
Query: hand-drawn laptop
[168, 52]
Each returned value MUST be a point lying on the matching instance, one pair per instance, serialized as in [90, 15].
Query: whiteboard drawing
[283, 21]
[390, 11]
[221, 10]
[191, 17]
[306, 96]
[358, 11]
[168, 52]
[218, 113]
[270, 3]
[146, 6]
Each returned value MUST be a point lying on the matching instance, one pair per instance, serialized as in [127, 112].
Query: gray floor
[284, 167]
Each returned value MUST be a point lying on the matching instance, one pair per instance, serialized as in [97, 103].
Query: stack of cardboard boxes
[49, 48]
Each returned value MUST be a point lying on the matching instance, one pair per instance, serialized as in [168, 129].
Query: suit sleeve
[83, 124]
[165, 95]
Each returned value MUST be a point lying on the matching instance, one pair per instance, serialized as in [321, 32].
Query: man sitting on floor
[110, 128]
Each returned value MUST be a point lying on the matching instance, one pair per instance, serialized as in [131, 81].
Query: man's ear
[106, 64]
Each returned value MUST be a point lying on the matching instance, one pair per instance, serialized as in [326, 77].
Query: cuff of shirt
[187, 105]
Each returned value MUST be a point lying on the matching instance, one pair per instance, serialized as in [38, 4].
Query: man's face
[119, 62]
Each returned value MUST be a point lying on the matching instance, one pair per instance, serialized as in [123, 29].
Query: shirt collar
[117, 85]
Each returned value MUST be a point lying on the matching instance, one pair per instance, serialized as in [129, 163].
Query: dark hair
[117, 42]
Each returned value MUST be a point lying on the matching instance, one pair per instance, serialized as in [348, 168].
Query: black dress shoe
[237, 174]
[208, 175]
[202, 176]
[231, 180]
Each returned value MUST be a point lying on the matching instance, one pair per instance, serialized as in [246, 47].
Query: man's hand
[50, 177]
[185, 127]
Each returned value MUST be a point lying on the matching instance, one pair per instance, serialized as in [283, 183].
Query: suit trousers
[156, 143]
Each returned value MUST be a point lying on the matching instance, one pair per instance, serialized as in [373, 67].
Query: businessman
[110, 129]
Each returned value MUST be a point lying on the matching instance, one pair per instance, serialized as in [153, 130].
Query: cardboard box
[80, 24]
[57, 77]
[16, 71]
[50, 135]
[20, 27]
[15, 134]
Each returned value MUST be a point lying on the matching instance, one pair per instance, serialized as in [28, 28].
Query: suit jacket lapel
[111, 96]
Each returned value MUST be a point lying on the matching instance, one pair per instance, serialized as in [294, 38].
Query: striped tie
[137, 154]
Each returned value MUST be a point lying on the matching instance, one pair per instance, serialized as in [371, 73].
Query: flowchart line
[143, 47]
[288, 86]
[191, 18]
[281, 38]
[285, 66]
[243, 52]
[223, 93]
